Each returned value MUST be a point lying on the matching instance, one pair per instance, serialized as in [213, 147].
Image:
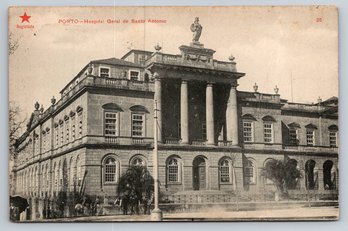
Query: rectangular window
[310, 137]
[173, 173]
[138, 125]
[225, 174]
[43, 142]
[268, 132]
[293, 136]
[333, 139]
[249, 174]
[57, 137]
[48, 140]
[67, 127]
[110, 123]
[80, 124]
[61, 134]
[248, 131]
[134, 75]
[110, 173]
[73, 129]
[104, 72]
[204, 131]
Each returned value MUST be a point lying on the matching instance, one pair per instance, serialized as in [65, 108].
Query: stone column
[158, 98]
[210, 114]
[184, 119]
[232, 116]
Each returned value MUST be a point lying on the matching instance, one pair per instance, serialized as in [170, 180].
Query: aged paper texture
[173, 113]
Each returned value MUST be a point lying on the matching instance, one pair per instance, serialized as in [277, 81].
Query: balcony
[95, 81]
[304, 148]
[173, 141]
[179, 61]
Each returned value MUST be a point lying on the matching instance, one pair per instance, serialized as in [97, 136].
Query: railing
[103, 82]
[172, 141]
[111, 140]
[199, 197]
[199, 142]
[223, 143]
[178, 60]
[136, 140]
[310, 148]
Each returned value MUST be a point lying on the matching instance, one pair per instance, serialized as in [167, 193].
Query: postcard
[173, 113]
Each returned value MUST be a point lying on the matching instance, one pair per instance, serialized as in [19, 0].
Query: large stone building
[212, 139]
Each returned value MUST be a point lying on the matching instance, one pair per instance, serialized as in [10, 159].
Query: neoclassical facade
[212, 138]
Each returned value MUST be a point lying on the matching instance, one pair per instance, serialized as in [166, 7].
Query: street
[314, 213]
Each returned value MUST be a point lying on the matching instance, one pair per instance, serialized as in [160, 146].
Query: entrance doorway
[199, 173]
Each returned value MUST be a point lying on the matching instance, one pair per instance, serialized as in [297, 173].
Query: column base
[156, 215]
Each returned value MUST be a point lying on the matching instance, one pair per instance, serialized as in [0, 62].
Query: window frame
[115, 173]
[230, 171]
[251, 131]
[313, 137]
[130, 77]
[335, 136]
[104, 67]
[143, 115]
[271, 133]
[204, 131]
[254, 171]
[292, 141]
[117, 122]
[138, 156]
[178, 173]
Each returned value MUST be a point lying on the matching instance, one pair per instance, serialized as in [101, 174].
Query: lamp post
[156, 214]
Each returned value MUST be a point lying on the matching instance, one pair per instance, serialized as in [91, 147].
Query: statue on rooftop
[196, 28]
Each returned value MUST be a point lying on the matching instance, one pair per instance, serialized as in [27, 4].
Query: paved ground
[314, 213]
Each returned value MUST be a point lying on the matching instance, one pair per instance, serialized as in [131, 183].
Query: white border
[245, 226]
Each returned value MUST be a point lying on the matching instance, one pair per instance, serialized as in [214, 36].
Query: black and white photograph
[214, 113]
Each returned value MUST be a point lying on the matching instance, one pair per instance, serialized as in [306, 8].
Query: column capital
[210, 83]
[234, 85]
[156, 76]
[184, 81]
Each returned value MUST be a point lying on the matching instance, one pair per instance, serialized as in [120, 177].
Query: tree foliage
[136, 186]
[15, 126]
[283, 173]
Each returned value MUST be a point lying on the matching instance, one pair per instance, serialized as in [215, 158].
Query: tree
[15, 127]
[136, 186]
[283, 173]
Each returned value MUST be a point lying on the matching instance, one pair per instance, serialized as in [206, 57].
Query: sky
[272, 45]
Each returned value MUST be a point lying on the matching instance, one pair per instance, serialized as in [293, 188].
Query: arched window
[110, 168]
[55, 177]
[311, 175]
[138, 161]
[43, 180]
[47, 183]
[60, 176]
[173, 170]
[329, 173]
[72, 174]
[225, 167]
[250, 171]
[78, 171]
